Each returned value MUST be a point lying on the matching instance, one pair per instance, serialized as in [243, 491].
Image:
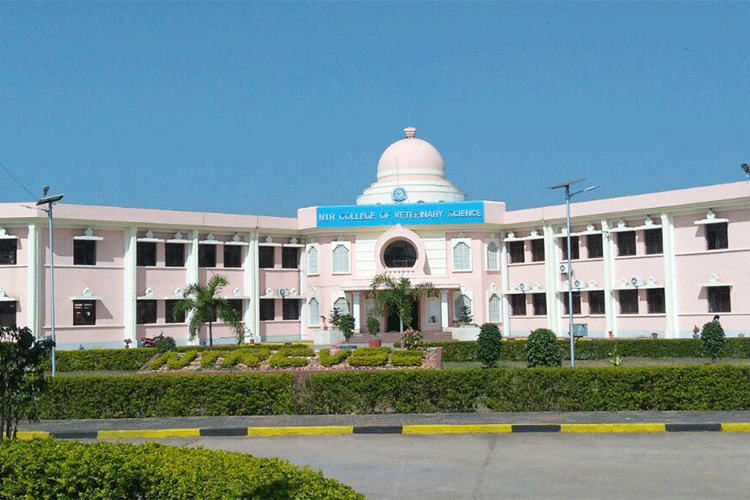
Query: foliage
[712, 339]
[464, 316]
[101, 359]
[373, 326]
[203, 305]
[407, 358]
[248, 357]
[327, 359]
[177, 362]
[369, 356]
[208, 358]
[489, 345]
[291, 357]
[21, 376]
[412, 339]
[543, 349]
[164, 344]
[614, 357]
[398, 296]
[342, 322]
[46, 468]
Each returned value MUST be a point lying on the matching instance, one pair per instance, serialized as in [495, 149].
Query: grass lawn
[604, 363]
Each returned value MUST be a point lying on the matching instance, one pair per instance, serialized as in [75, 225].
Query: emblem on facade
[399, 194]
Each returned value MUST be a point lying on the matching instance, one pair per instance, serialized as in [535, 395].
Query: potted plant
[373, 328]
[342, 322]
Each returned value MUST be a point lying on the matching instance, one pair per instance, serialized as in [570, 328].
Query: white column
[302, 265]
[356, 309]
[130, 281]
[444, 322]
[670, 277]
[505, 312]
[33, 271]
[248, 272]
[610, 304]
[255, 246]
[552, 273]
[191, 265]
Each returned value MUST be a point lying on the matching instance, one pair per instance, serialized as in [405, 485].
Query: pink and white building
[656, 263]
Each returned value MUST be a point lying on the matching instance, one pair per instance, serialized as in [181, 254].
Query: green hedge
[101, 359]
[407, 358]
[325, 358]
[176, 362]
[291, 357]
[369, 356]
[45, 468]
[703, 387]
[161, 360]
[208, 358]
[248, 357]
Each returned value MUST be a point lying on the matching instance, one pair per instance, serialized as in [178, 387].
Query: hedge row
[46, 468]
[704, 387]
[328, 360]
[101, 359]
[514, 350]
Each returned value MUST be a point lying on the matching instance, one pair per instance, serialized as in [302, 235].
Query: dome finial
[410, 132]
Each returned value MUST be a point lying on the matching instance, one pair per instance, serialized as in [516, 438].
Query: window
[655, 299]
[654, 243]
[461, 257]
[169, 306]
[174, 255]
[576, 302]
[232, 256]
[8, 250]
[716, 236]
[313, 311]
[400, 254]
[516, 251]
[340, 259]
[84, 252]
[596, 302]
[718, 299]
[574, 249]
[145, 312]
[266, 258]
[8, 312]
[518, 304]
[537, 250]
[494, 308]
[594, 246]
[146, 253]
[207, 255]
[84, 312]
[628, 301]
[312, 261]
[236, 304]
[267, 312]
[492, 261]
[290, 257]
[540, 304]
[290, 309]
[461, 302]
[341, 305]
[626, 243]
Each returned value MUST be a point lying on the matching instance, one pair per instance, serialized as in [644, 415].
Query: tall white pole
[570, 279]
[52, 284]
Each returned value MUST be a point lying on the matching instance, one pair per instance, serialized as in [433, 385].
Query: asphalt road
[686, 465]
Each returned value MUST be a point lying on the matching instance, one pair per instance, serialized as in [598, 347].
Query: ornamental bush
[712, 340]
[542, 349]
[248, 357]
[369, 356]
[407, 358]
[489, 345]
[46, 468]
[164, 344]
[326, 359]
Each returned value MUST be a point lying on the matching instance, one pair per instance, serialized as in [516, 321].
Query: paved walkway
[440, 423]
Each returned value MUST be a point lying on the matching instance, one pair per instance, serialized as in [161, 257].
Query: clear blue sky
[262, 108]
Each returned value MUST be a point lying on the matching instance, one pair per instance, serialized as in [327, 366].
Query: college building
[661, 263]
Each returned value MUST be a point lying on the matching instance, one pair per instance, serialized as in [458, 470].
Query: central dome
[410, 170]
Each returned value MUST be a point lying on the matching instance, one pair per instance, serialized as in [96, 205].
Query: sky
[263, 108]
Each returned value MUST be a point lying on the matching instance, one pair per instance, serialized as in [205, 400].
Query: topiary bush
[542, 349]
[373, 326]
[326, 359]
[164, 344]
[369, 356]
[489, 345]
[407, 358]
[712, 340]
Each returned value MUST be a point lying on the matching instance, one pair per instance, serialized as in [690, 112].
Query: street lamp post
[568, 196]
[49, 200]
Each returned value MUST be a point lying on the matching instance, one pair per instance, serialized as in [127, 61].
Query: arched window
[341, 305]
[494, 309]
[340, 259]
[312, 261]
[492, 261]
[461, 257]
[313, 312]
[459, 304]
[400, 254]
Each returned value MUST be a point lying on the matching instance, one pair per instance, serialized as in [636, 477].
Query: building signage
[462, 212]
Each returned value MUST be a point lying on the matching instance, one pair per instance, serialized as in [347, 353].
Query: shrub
[101, 359]
[248, 357]
[712, 339]
[373, 326]
[407, 358]
[175, 362]
[369, 356]
[326, 359]
[291, 357]
[412, 339]
[159, 361]
[164, 344]
[208, 358]
[45, 468]
[542, 349]
[489, 345]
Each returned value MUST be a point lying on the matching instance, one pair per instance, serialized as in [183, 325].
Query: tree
[489, 345]
[398, 296]
[712, 339]
[203, 306]
[542, 349]
[21, 376]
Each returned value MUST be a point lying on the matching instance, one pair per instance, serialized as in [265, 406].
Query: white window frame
[493, 308]
[489, 253]
[310, 271]
[347, 245]
[348, 305]
[454, 243]
[313, 319]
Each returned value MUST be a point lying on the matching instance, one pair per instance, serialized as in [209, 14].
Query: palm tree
[203, 306]
[398, 295]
